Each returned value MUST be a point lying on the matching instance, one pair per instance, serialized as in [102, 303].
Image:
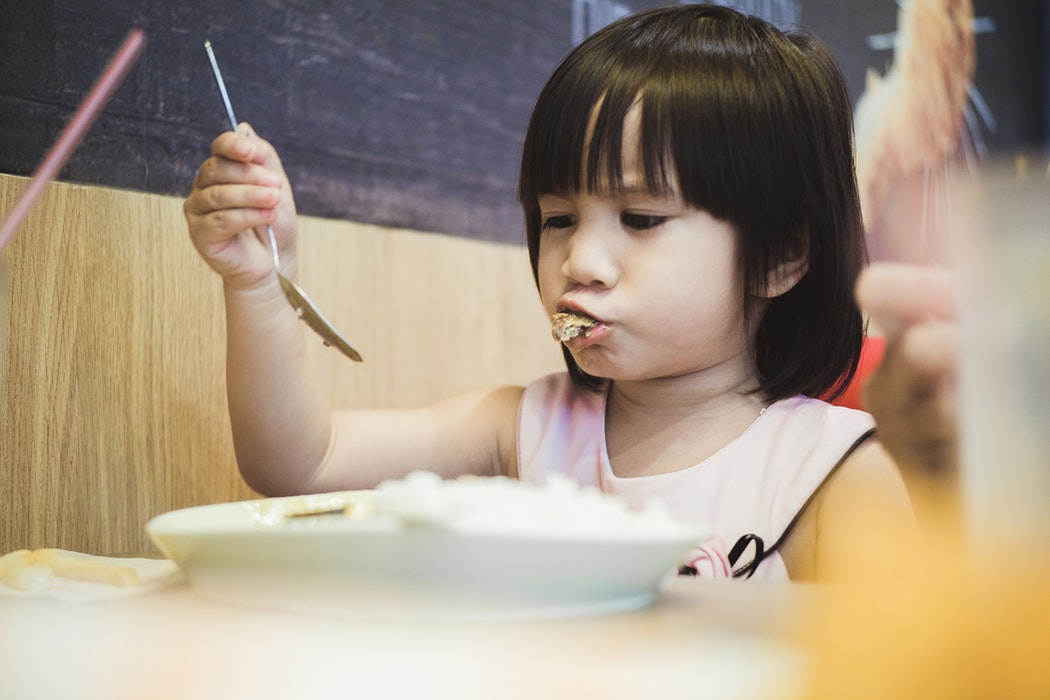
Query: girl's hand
[238, 192]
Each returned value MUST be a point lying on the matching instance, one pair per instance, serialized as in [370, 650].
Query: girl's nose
[590, 259]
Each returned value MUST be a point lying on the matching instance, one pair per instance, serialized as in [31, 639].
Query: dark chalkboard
[404, 113]
[401, 113]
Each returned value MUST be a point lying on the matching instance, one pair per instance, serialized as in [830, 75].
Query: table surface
[701, 639]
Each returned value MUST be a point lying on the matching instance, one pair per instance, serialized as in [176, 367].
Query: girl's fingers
[219, 170]
[221, 226]
[261, 151]
[239, 191]
[219, 214]
[245, 146]
[219, 197]
[217, 226]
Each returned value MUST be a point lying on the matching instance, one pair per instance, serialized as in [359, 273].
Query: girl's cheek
[549, 292]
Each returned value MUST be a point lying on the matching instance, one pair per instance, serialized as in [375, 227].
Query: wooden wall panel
[112, 394]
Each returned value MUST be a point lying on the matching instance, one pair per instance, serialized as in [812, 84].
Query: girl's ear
[784, 276]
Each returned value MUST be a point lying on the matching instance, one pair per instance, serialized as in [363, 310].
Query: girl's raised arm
[285, 438]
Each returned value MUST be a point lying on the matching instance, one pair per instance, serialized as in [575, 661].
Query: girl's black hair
[755, 125]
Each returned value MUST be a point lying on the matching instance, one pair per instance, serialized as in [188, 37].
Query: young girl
[691, 206]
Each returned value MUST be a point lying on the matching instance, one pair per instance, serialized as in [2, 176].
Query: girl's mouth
[566, 325]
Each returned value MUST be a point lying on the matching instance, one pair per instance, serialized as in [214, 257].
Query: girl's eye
[641, 222]
[559, 221]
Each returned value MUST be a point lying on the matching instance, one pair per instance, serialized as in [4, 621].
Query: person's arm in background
[912, 394]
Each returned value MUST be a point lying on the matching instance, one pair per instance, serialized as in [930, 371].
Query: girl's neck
[665, 425]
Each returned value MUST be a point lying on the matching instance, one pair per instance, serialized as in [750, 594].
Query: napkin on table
[137, 575]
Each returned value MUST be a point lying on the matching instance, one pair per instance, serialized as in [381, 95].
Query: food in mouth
[568, 325]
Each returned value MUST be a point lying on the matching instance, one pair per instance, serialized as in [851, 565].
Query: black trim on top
[747, 570]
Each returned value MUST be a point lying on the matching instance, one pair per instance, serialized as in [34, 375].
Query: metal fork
[304, 307]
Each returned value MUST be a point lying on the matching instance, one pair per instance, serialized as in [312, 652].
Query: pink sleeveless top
[754, 486]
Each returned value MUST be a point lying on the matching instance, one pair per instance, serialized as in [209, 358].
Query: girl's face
[662, 279]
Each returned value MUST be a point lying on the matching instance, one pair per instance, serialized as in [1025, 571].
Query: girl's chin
[596, 362]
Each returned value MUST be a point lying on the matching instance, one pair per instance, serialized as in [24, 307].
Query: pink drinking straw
[67, 142]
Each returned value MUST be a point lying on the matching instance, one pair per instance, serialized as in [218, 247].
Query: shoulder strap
[747, 570]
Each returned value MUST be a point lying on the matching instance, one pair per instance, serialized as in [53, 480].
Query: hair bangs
[581, 147]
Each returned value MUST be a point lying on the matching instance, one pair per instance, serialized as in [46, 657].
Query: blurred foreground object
[958, 624]
[1004, 374]
[967, 615]
[910, 126]
[70, 138]
[63, 148]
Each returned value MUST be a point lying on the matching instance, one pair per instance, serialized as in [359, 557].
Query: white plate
[407, 559]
